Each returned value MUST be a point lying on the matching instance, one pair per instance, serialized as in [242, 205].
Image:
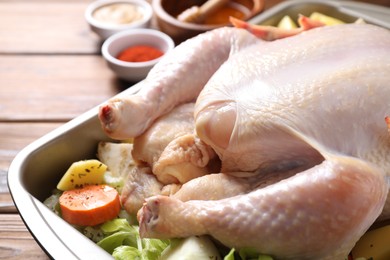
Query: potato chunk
[287, 23]
[327, 20]
[82, 173]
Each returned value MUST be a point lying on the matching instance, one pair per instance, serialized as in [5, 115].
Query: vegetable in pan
[90, 205]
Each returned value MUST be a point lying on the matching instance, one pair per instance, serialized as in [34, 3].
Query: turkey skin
[310, 109]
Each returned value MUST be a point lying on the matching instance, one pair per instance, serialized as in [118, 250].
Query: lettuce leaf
[53, 203]
[246, 254]
[122, 240]
[230, 255]
[126, 252]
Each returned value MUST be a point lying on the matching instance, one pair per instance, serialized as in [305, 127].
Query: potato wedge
[373, 245]
[287, 23]
[82, 173]
[327, 20]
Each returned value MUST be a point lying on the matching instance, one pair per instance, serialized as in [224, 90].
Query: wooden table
[51, 71]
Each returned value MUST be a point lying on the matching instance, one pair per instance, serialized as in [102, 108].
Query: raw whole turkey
[298, 126]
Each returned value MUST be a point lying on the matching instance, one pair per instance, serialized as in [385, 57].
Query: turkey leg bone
[304, 217]
[177, 79]
[271, 33]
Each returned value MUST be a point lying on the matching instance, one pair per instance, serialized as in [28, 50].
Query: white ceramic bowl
[134, 71]
[105, 30]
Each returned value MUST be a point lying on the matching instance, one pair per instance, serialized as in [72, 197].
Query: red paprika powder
[139, 53]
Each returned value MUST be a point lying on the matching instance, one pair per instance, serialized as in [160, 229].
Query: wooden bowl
[166, 12]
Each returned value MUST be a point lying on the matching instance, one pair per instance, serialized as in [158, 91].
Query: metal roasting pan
[35, 171]
[347, 11]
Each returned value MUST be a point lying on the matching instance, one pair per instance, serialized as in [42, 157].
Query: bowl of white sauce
[107, 17]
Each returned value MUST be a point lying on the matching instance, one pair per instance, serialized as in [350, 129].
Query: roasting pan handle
[371, 13]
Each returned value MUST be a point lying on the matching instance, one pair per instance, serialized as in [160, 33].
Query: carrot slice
[90, 205]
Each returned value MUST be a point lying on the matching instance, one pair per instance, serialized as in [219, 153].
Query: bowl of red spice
[132, 54]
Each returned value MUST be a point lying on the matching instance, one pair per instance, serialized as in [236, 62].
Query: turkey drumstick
[177, 79]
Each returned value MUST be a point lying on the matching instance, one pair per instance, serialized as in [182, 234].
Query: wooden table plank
[50, 71]
[16, 241]
[45, 87]
[13, 138]
[6, 203]
[65, 29]
[50, 27]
